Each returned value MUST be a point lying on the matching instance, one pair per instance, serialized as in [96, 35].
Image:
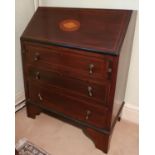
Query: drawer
[92, 92]
[75, 63]
[69, 106]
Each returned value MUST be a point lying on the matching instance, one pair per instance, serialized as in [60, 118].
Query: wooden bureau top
[98, 30]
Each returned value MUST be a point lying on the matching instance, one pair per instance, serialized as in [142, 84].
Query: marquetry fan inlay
[69, 25]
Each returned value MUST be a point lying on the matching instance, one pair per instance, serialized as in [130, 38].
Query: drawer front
[89, 90]
[72, 62]
[69, 106]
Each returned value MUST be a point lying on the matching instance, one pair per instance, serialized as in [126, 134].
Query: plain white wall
[132, 90]
[24, 11]
[118, 4]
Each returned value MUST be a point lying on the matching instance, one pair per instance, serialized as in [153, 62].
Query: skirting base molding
[130, 113]
[20, 101]
[20, 106]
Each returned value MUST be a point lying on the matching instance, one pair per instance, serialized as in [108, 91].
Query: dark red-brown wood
[59, 67]
[101, 30]
[16, 152]
[100, 140]
[99, 92]
[69, 61]
[68, 105]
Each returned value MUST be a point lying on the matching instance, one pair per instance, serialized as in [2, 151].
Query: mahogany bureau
[75, 64]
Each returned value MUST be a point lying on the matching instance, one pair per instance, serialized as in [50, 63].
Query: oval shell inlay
[69, 25]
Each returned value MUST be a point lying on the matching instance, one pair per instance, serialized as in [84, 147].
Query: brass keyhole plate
[69, 25]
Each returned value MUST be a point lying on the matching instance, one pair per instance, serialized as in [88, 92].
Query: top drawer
[70, 61]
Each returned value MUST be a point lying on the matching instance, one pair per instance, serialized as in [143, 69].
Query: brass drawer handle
[90, 91]
[36, 56]
[37, 75]
[91, 66]
[40, 97]
[88, 112]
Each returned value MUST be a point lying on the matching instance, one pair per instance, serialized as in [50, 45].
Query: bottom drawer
[67, 105]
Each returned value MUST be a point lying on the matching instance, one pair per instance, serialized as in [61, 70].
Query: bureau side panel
[123, 68]
[23, 52]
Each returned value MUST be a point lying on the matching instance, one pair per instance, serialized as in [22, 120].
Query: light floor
[59, 138]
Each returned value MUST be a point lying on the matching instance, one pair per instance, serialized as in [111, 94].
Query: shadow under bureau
[75, 64]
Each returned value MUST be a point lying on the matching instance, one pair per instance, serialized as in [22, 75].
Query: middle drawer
[90, 90]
